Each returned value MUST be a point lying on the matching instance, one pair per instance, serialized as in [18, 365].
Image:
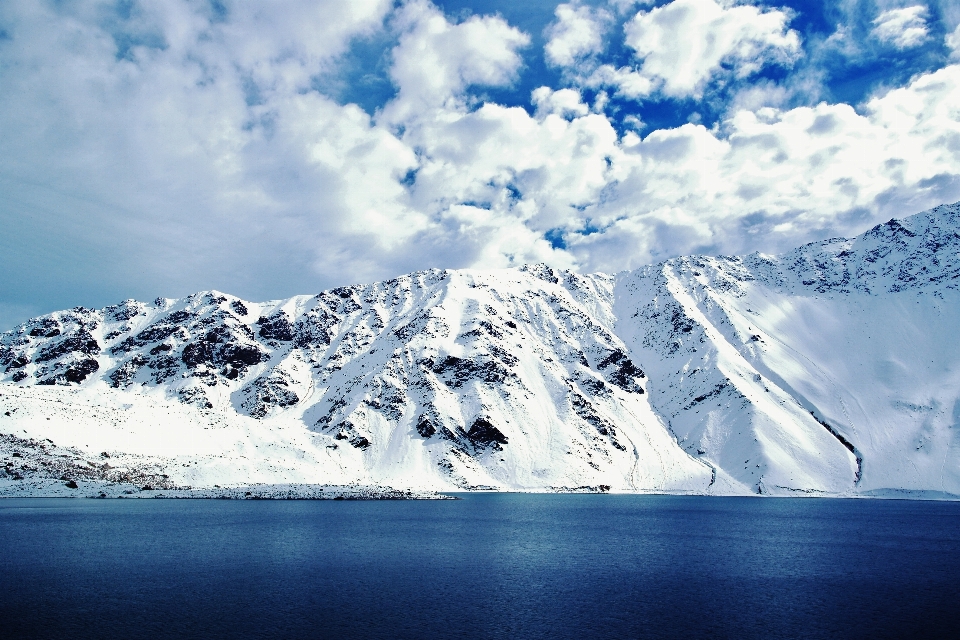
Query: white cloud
[771, 178]
[767, 178]
[565, 102]
[576, 33]
[759, 95]
[628, 82]
[903, 28]
[685, 43]
[179, 163]
[953, 42]
[436, 60]
[529, 171]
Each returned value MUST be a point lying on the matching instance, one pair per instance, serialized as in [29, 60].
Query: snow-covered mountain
[832, 369]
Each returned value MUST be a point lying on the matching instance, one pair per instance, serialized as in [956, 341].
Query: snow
[829, 370]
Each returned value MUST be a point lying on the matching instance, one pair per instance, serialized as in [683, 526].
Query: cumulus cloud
[565, 102]
[770, 177]
[684, 43]
[436, 59]
[576, 33]
[766, 178]
[514, 171]
[903, 28]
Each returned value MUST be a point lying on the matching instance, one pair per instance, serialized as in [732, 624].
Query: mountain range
[833, 370]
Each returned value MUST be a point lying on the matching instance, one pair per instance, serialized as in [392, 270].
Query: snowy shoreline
[51, 488]
[57, 488]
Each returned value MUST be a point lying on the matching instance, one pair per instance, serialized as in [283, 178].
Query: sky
[268, 149]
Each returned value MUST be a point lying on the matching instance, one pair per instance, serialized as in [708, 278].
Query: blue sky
[269, 149]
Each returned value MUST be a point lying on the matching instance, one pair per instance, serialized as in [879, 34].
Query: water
[487, 566]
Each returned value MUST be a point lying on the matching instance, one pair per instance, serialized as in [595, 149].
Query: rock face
[832, 369]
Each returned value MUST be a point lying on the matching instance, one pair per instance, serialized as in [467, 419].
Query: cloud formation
[683, 43]
[903, 28]
[166, 148]
[953, 42]
[577, 32]
[770, 175]
[436, 60]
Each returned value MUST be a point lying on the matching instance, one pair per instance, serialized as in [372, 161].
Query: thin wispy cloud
[953, 42]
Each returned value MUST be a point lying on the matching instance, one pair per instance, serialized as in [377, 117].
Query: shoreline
[99, 490]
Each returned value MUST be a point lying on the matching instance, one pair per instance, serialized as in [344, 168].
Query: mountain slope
[762, 357]
[832, 369]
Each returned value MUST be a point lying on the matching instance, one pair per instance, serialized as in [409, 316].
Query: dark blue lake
[487, 566]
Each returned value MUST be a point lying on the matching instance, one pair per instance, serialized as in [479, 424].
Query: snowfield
[831, 370]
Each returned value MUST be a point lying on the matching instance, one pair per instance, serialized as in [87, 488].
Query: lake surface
[487, 566]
